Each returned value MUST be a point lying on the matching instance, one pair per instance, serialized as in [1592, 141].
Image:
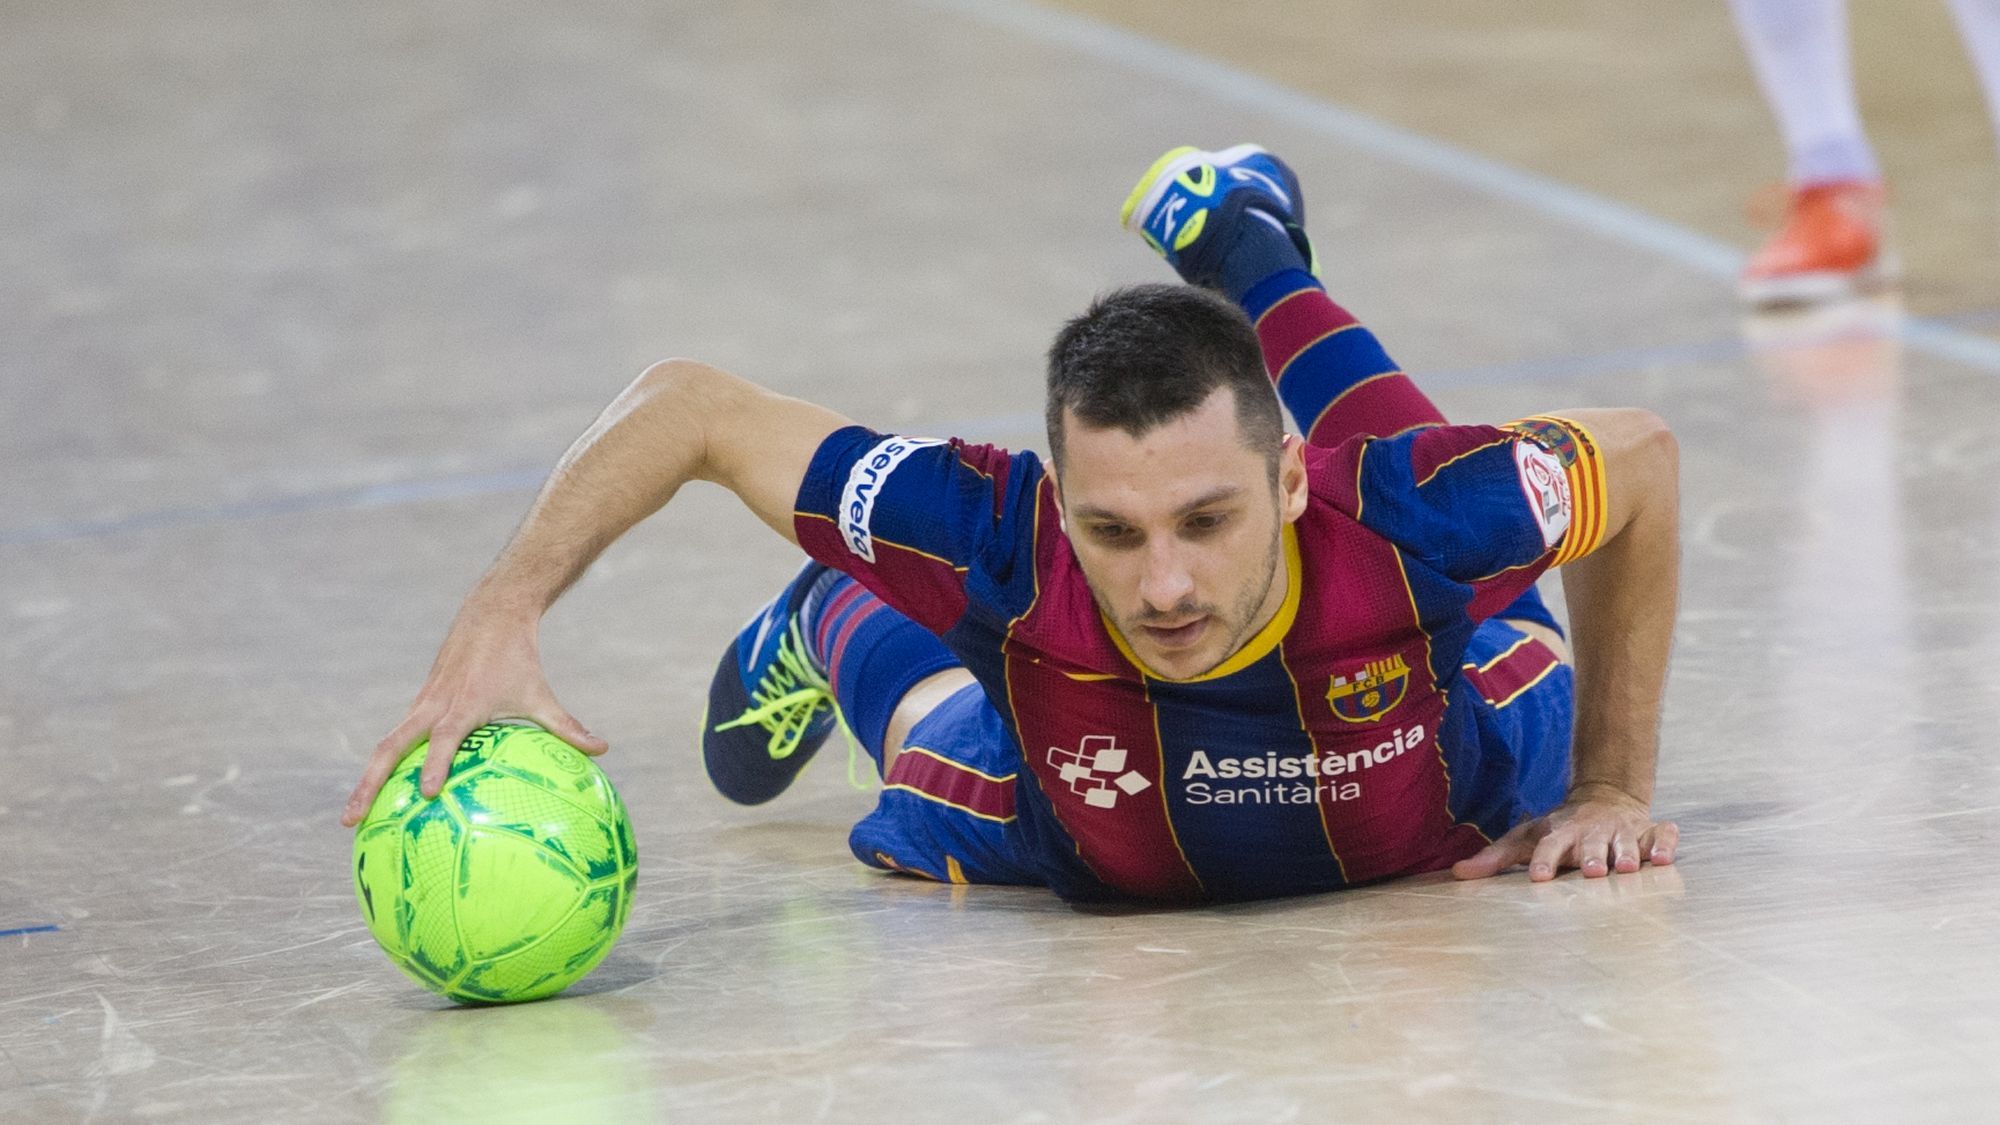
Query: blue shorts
[1524, 707]
[947, 807]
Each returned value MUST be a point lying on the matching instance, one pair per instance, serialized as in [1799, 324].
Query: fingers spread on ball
[559, 722]
[445, 737]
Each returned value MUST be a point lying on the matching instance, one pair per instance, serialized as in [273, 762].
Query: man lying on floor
[1190, 658]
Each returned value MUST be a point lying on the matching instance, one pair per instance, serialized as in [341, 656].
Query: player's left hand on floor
[1597, 832]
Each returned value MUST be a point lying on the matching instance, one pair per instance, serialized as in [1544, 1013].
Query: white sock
[1979, 26]
[1799, 50]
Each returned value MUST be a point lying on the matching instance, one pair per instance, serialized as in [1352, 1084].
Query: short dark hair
[1145, 355]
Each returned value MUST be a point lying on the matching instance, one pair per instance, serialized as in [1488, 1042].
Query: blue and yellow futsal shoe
[1188, 203]
[769, 705]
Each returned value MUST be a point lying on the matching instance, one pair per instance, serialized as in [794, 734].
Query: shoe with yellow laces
[770, 708]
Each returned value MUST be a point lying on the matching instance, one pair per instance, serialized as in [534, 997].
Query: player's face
[1179, 532]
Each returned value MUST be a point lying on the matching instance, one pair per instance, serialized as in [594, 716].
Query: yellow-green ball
[513, 883]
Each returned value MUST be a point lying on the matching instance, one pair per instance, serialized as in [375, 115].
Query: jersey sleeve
[910, 517]
[1490, 506]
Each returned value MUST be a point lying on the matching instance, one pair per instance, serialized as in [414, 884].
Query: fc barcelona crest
[1371, 693]
[1556, 439]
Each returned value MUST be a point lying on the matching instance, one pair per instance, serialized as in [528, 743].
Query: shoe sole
[1152, 186]
[1818, 287]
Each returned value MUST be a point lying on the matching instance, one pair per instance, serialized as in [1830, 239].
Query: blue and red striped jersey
[1332, 749]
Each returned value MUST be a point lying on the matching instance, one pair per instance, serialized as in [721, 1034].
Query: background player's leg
[1979, 26]
[1831, 243]
[1799, 50]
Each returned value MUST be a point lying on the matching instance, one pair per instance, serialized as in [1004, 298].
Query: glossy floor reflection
[306, 299]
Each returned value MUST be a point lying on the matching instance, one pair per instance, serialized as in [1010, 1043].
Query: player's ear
[1292, 479]
[1055, 487]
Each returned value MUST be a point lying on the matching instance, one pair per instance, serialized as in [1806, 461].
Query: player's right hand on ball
[489, 668]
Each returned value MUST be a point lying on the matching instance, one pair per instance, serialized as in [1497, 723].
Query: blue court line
[1942, 337]
[987, 428]
[1555, 369]
[1581, 209]
[1971, 318]
[30, 930]
[1565, 369]
[368, 496]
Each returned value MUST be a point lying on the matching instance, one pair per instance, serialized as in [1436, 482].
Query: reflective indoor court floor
[301, 300]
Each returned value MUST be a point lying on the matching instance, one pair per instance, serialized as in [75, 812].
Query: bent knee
[1549, 637]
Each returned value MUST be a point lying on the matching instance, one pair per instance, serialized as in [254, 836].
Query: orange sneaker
[1833, 245]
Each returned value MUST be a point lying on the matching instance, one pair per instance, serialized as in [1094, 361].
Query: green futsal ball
[513, 883]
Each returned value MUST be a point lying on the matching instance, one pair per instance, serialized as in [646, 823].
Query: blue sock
[871, 654]
[1262, 269]
[1261, 248]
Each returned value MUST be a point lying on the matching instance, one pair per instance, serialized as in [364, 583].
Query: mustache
[1181, 612]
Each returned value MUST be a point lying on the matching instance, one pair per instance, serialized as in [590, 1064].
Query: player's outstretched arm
[678, 421]
[1621, 608]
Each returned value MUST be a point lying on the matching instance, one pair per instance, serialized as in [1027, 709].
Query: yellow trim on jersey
[1417, 623]
[1589, 499]
[1488, 666]
[1503, 570]
[928, 753]
[1316, 341]
[1282, 302]
[1428, 477]
[1360, 459]
[1299, 701]
[1444, 694]
[956, 872]
[964, 464]
[1342, 396]
[934, 798]
[796, 513]
[1523, 689]
[1166, 806]
[1257, 647]
[1414, 426]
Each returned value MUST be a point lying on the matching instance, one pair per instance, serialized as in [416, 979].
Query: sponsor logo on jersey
[1291, 779]
[864, 483]
[1372, 692]
[1096, 771]
[1546, 487]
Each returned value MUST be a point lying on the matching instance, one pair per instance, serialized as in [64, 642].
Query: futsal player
[1190, 657]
